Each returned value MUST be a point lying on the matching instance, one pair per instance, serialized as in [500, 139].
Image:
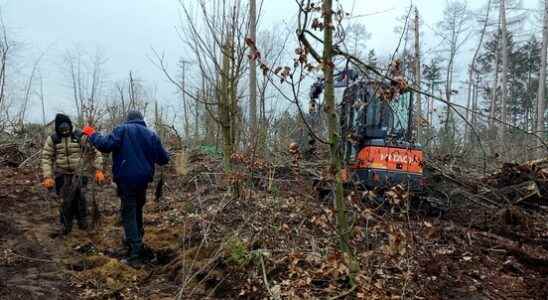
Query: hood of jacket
[137, 122]
[134, 115]
[61, 118]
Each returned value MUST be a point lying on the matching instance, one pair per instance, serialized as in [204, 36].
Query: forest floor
[276, 240]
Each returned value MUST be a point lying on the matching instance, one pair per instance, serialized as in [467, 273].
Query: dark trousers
[133, 198]
[72, 191]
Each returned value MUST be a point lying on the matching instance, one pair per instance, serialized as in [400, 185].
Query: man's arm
[48, 155]
[161, 155]
[107, 143]
[96, 156]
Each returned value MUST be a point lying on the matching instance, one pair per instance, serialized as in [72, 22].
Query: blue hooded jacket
[135, 149]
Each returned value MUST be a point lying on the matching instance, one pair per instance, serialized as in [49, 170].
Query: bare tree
[253, 71]
[356, 37]
[472, 71]
[329, 21]
[333, 130]
[186, 116]
[28, 92]
[455, 28]
[125, 95]
[273, 49]
[498, 105]
[42, 96]
[86, 82]
[418, 103]
[216, 38]
[541, 96]
[504, 72]
[493, 100]
[5, 52]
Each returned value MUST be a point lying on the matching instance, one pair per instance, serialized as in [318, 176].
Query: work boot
[67, 229]
[134, 261]
[126, 248]
[147, 254]
[66, 223]
[83, 224]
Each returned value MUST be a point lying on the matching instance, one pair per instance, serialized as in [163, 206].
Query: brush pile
[524, 185]
[10, 155]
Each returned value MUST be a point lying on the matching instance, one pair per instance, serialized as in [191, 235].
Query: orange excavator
[376, 124]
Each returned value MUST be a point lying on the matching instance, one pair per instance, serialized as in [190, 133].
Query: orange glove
[88, 131]
[99, 177]
[48, 183]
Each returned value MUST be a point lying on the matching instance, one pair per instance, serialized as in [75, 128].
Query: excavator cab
[377, 138]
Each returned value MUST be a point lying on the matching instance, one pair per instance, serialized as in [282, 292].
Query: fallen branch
[350, 291]
[29, 159]
[265, 279]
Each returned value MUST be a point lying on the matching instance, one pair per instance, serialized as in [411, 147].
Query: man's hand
[48, 183]
[99, 177]
[88, 131]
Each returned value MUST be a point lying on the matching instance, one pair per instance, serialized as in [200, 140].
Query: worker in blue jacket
[135, 150]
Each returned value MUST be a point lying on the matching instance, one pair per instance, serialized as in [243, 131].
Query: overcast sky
[126, 30]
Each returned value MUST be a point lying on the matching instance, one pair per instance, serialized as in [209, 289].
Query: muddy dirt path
[30, 267]
[38, 263]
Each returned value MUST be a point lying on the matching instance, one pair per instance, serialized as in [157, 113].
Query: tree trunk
[493, 102]
[329, 99]
[43, 105]
[418, 77]
[196, 116]
[526, 121]
[475, 97]
[504, 79]
[263, 124]
[210, 125]
[448, 92]
[156, 118]
[224, 109]
[233, 101]
[541, 97]
[471, 85]
[185, 104]
[253, 73]
[431, 106]
[469, 101]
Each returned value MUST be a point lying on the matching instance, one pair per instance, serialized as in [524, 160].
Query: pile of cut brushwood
[17, 150]
[11, 155]
[524, 185]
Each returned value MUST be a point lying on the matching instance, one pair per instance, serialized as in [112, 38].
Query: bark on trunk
[469, 101]
[253, 73]
[186, 122]
[504, 79]
[448, 90]
[541, 97]
[224, 108]
[418, 77]
[431, 106]
[471, 85]
[329, 99]
[493, 103]
[475, 97]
